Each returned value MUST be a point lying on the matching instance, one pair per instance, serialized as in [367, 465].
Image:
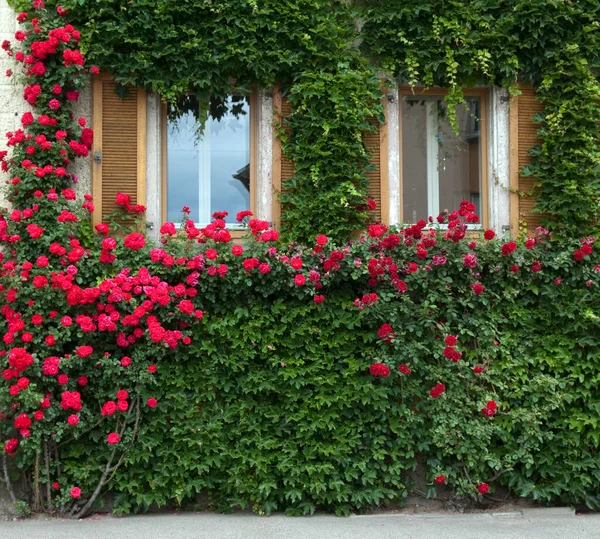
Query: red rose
[299, 280]
[109, 408]
[483, 488]
[11, 446]
[404, 369]
[250, 263]
[322, 240]
[152, 402]
[489, 234]
[437, 390]
[123, 199]
[151, 369]
[379, 370]
[264, 268]
[477, 288]
[509, 248]
[75, 492]
[73, 420]
[113, 438]
[441, 478]
[318, 299]
[450, 340]
[84, 351]
[22, 421]
[135, 241]
[186, 306]
[385, 331]
[237, 250]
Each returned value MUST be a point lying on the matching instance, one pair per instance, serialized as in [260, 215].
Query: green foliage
[271, 407]
[22, 509]
[331, 115]
[281, 415]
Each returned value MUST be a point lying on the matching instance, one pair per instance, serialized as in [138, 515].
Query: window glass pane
[440, 168]
[230, 161]
[209, 171]
[414, 160]
[182, 167]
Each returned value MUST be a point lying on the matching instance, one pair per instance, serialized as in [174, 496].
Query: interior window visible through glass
[208, 167]
[440, 168]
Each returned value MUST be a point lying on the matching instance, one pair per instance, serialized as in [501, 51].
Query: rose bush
[321, 373]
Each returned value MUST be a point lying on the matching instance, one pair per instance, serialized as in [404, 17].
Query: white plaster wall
[264, 156]
[153, 166]
[393, 123]
[498, 161]
[12, 105]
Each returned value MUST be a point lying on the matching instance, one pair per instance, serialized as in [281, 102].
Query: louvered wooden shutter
[523, 137]
[283, 168]
[376, 144]
[119, 149]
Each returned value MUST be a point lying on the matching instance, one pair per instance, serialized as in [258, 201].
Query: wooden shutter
[283, 168]
[119, 149]
[377, 144]
[523, 137]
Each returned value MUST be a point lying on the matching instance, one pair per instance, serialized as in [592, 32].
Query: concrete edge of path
[558, 512]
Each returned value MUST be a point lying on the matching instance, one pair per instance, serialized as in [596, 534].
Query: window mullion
[204, 175]
[433, 183]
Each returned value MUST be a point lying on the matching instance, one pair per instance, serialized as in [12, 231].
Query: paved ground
[528, 524]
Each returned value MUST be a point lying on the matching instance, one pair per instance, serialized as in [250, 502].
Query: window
[440, 168]
[210, 168]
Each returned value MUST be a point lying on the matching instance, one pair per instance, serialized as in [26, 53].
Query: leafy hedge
[287, 416]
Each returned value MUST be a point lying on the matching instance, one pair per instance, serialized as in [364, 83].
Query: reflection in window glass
[208, 170]
[439, 167]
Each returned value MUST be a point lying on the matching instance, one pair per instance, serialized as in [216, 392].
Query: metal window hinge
[98, 157]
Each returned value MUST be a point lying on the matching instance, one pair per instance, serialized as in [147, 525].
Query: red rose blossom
[113, 438]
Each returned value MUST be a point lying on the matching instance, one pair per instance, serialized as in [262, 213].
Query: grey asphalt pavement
[527, 524]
